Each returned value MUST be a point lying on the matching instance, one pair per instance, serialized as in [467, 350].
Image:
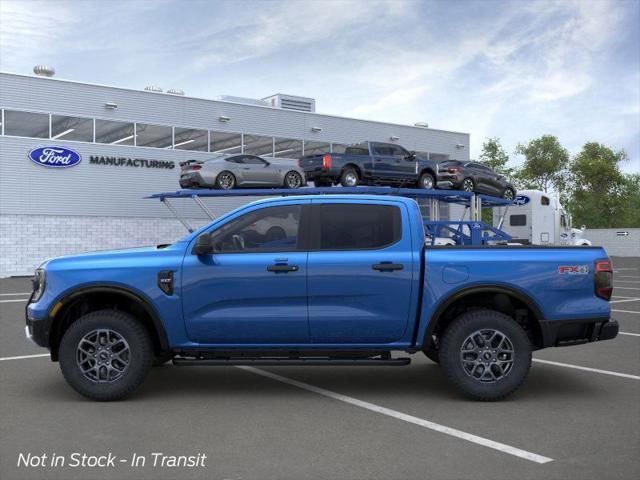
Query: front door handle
[387, 266]
[277, 268]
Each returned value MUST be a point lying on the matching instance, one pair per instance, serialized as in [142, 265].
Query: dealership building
[129, 144]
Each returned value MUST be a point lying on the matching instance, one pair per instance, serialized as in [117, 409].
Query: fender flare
[488, 288]
[126, 292]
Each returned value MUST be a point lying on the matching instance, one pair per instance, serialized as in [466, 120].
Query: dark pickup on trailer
[369, 163]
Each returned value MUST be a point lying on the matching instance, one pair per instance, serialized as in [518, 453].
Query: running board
[190, 362]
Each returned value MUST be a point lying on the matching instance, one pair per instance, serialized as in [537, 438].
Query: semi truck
[537, 218]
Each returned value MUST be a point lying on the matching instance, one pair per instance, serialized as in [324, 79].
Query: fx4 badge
[573, 269]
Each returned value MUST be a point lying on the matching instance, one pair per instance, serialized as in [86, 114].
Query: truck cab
[537, 218]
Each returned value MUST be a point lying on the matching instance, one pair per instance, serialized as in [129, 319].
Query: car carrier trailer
[454, 232]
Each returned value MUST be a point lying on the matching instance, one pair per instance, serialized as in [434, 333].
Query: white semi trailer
[537, 218]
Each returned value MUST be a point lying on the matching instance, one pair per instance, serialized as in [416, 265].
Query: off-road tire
[452, 343]
[140, 358]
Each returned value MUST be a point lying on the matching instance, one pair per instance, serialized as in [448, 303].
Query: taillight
[453, 170]
[300, 162]
[196, 167]
[603, 279]
[326, 161]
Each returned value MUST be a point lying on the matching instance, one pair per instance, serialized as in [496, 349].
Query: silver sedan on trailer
[231, 171]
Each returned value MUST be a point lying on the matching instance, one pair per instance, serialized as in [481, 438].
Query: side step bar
[190, 362]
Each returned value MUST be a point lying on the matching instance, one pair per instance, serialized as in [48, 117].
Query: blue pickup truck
[346, 280]
[371, 163]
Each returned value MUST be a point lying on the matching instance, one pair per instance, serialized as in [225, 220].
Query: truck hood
[105, 257]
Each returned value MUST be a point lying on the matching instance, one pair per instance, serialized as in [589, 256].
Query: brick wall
[28, 240]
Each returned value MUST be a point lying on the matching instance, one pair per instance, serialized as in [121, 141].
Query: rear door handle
[282, 268]
[387, 266]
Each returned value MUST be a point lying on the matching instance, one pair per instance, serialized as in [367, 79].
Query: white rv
[537, 218]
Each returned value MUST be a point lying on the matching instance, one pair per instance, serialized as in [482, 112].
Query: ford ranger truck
[351, 283]
[371, 163]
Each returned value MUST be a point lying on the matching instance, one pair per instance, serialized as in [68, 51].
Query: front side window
[544, 201]
[271, 229]
[358, 227]
[398, 151]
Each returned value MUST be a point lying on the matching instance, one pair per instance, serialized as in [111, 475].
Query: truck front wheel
[485, 354]
[105, 355]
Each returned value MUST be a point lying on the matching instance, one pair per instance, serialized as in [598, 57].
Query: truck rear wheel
[105, 355]
[485, 354]
[426, 181]
[349, 178]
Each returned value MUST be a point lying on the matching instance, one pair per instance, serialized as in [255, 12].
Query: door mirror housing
[411, 156]
[203, 245]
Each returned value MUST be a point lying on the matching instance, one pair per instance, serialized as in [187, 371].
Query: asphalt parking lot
[577, 416]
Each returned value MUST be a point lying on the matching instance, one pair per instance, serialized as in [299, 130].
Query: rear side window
[357, 149]
[358, 227]
[544, 200]
[518, 220]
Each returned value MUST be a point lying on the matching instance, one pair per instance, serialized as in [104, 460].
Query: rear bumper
[192, 180]
[561, 333]
[319, 172]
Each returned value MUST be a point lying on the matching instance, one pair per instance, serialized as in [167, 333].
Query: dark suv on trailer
[475, 177]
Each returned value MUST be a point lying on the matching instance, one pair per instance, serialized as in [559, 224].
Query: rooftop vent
[44, 71]
[291, 102]
[175, 91]
[244, 100]
[421, 124]
[153, 88]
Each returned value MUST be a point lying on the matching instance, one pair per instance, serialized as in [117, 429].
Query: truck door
[253, 288]
[383, 161]
[360, 272]
[404, 165]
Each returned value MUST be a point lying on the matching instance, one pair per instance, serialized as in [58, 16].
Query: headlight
[39, 283]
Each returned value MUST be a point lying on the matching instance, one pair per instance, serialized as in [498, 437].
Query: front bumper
[562, 333]
[37, 330]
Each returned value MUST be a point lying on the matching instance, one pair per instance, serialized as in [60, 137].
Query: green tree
[494, 156]
[545, 164]
[599, 194]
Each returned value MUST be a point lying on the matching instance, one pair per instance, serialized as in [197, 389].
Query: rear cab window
[345, 226]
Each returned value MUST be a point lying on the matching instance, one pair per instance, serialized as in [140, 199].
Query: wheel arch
[428, 170]
[354, 166]
[501, 298]
[96, 297]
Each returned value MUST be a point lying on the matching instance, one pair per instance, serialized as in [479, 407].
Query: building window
[287, 148]
[227, 143]
[115, 133]
[258, 145]
[26, 124]
[156, 136]
[71, 128]
[316, 148]
[191, 139]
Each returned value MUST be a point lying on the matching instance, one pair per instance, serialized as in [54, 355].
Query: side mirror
[583, 227]
[203, 245]
[411, 156]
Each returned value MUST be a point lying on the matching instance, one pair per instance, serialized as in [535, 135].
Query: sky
[509, 69]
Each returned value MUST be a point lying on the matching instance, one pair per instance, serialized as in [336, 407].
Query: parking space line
[587, 369]
[22, 357]
[14, 300]
[485, 442]
[630, 334]
[610, 301]
[14, 294]
[624, 311]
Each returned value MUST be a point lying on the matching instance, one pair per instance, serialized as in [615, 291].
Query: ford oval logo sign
[55, 157]
[521, 200]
